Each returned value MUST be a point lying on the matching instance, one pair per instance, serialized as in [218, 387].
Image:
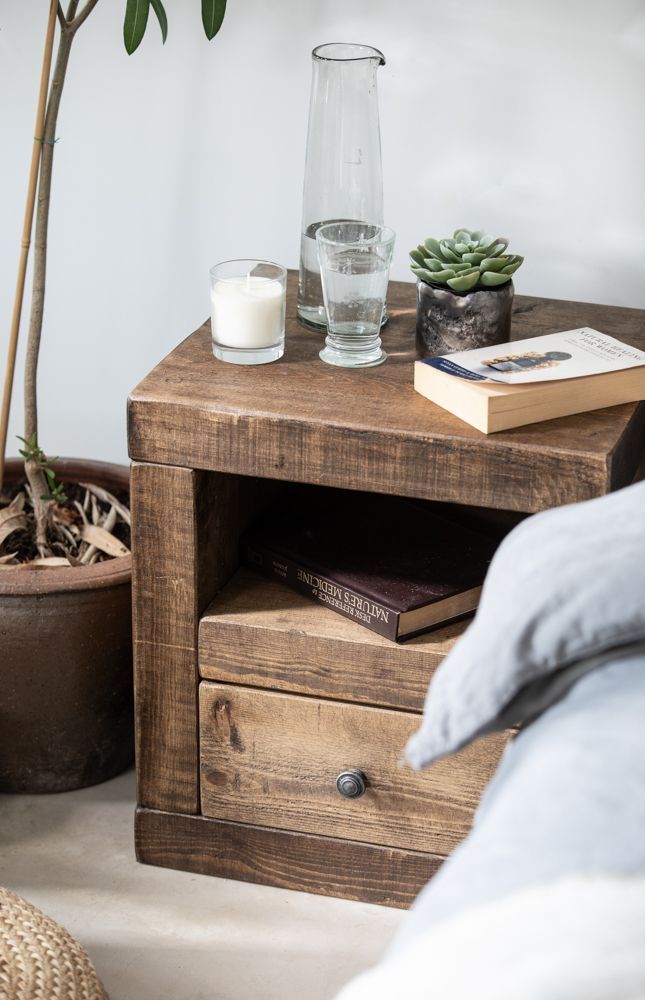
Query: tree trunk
[34, 474]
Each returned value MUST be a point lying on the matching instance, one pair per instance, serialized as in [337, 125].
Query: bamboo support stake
[26, 233]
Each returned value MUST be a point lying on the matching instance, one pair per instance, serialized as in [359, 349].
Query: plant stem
[26, 232]
[85, 13]
[34, 473]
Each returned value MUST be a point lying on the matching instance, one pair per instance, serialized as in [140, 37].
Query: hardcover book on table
[525, 381]
[389, 564]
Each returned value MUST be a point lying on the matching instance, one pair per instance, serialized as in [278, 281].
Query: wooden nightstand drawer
[272, 759]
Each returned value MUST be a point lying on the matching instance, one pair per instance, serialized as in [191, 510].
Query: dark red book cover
[369, 557]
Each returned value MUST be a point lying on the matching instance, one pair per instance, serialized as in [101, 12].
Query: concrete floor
[156, 934]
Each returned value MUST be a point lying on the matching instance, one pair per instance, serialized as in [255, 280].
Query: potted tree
[464, 292]
[65, 565]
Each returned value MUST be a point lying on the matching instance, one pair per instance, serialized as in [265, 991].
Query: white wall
[522, 117]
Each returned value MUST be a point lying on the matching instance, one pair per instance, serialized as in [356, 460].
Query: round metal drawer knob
[351, 784]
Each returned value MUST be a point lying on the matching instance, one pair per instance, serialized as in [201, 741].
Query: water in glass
[354, 264]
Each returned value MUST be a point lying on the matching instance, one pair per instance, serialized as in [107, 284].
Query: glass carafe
[343, 174]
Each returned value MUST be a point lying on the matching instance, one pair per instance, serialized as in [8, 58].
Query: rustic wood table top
[299, 419]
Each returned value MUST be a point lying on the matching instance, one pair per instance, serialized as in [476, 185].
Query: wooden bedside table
[251, 699]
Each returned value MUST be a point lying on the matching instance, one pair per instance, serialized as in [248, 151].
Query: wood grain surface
[271, 759]
[185, 529]
[165, 636]
[299, 861]
[260, 633]
[301, 420]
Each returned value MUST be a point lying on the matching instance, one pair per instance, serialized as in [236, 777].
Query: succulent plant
[468, 262]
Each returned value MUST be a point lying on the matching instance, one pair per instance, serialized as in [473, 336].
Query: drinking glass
[354, 262]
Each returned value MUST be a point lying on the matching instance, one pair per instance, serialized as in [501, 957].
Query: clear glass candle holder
[247, 311]
[354, 262]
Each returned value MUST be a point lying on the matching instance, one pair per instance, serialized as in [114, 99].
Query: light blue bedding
[565, 588]
[568, 798]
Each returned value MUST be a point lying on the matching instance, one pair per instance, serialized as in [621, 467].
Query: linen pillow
[564, 589]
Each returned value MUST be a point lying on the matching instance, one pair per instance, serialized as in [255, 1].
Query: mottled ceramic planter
[449, 322]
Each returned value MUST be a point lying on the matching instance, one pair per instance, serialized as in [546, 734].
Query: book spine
[309, 581]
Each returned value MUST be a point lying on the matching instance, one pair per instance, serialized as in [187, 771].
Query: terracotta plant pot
[66, 718]
[448, 321]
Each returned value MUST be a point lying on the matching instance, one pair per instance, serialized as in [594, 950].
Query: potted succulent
[65, 627]
[464, 292]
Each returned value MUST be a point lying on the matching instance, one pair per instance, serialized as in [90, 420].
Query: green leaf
[433, 248]
[512, 268]
[493, 263]
[498, 247]
[448, 253]
[134, 25]
[464, 282]
[462, 248]
[212, 16]
[422, 273]
[442, 276]
[158, 8]
[417, 257]
[432, 264]
[473, 258]
[462, 235]
[491, 278]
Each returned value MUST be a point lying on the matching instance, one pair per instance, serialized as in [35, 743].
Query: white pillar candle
[247, 312]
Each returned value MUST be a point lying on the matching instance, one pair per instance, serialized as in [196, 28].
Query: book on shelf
[526, 381]
[388, 564]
